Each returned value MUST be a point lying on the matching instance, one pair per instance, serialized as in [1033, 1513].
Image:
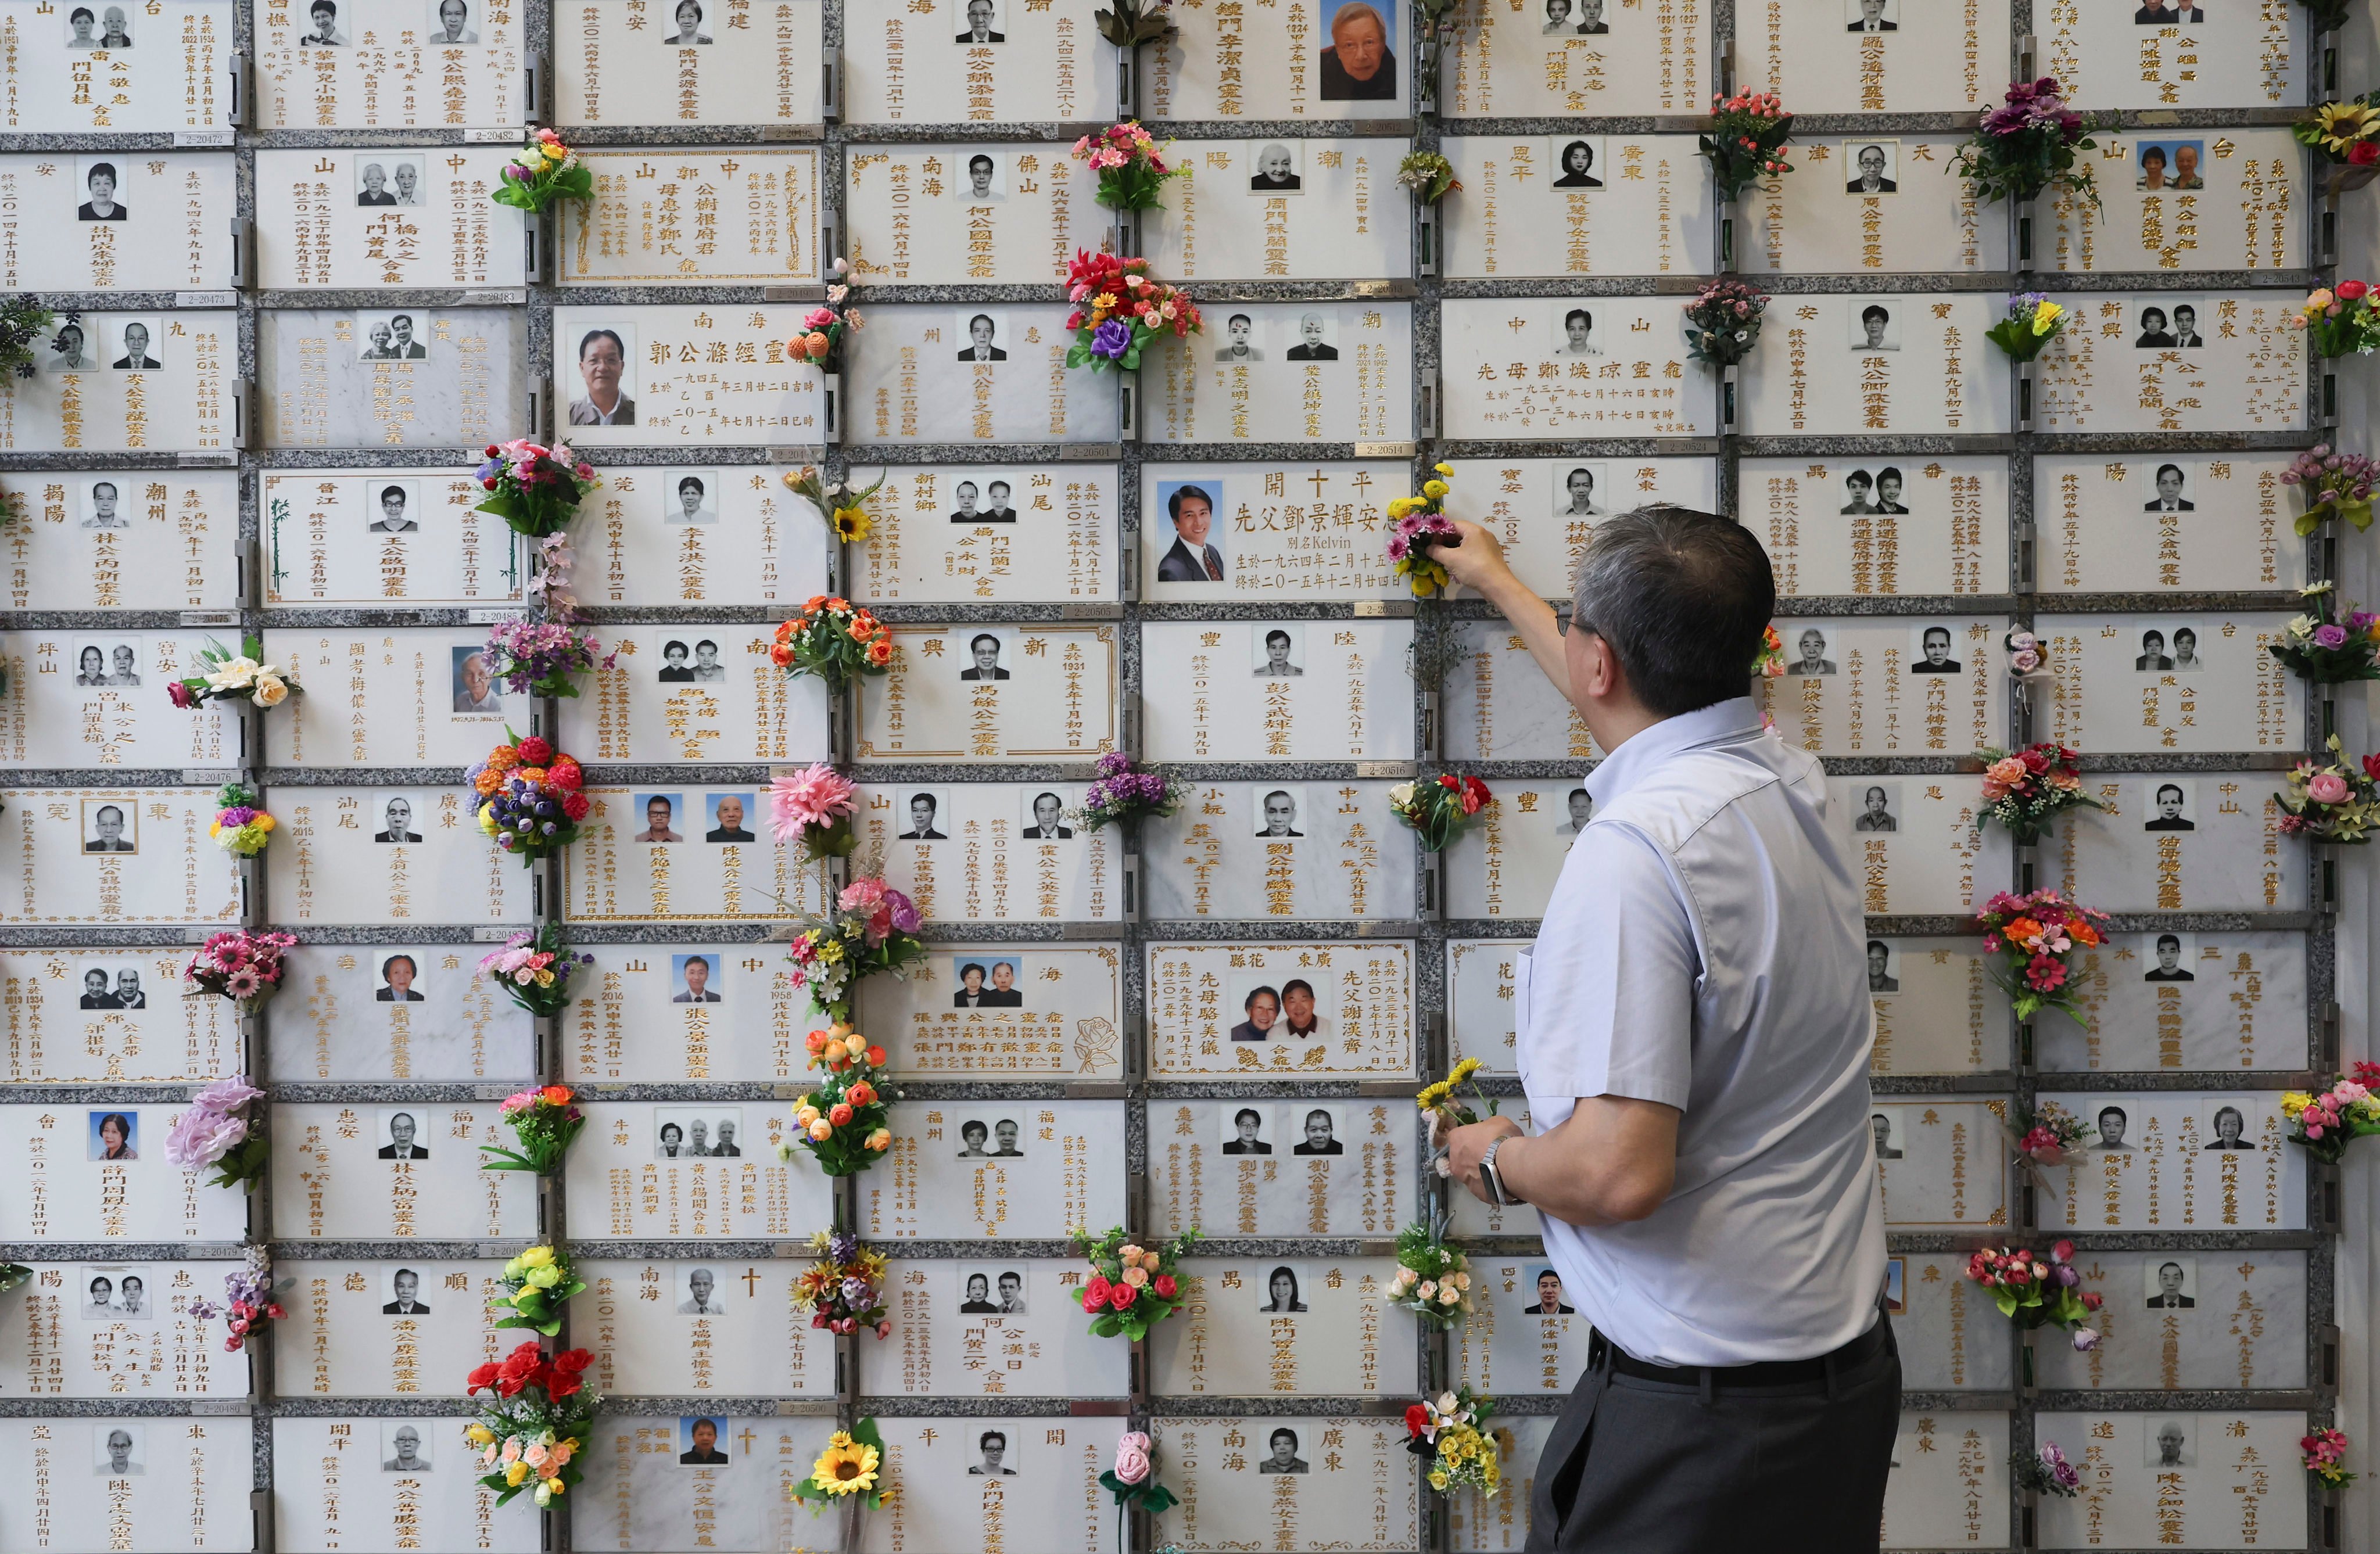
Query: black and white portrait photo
[660, 812]
[1046, 817]
[112, 664]
[1360, 63]
[1193, 557]
[2171, 1285]
[398, 974]
[119, 1450]
[1880, 1124]
[1277, 167]
[983, 184]
[1318, 1131]
[388, 178]
[923, 809]
[607, 376]
[402, 1446]
[727, 813]
[690, 979]
[389, 336]
[1867, 492]
[107, 987]
[984, 499]
[991, 1446]
[2170, 961]
[1871, 166]
[1810, 653]
[1575, 489]
[1280, 1451]
[100, 183]
[69, 350]
[395, 822]
[1280, 1295]
[393, 508]
[1578, 808]
[696, 663]
[2170, 807]
[2185, 327]
[981, 22]
[109, 827]
[1878, 807]
[1933, 656]
[1549, 1287]
[986, 982]
[1872, 16]
[1244, 1129]
[1577, 338]
[700, 1133]
[324, 31]
[1880, 979]
[137, 347]
[1277, 810]
[698, 1436]
[697, 1291]
[108, 27]
[103, 506]
[2170, 1443]
[2157, 330]
[1872, 327]
[2228, 1122]
[451, 24]
[2172, 485]
[2110, 1123]
[687, 16]
[403, 1133]
[690, 499]
[984, 650]
[404, 1291]
[1318, 338]
[991, 1291]
[1239, 341]
[2153, 656]
[1279, 649]
[1576, 163]
[979, 335]
[990, 1138]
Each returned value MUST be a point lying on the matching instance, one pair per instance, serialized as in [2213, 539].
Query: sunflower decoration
[853, 1463]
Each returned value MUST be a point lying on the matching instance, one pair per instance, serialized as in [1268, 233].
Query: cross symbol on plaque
[751, 1283]
[1320, 479]
[745, 1440]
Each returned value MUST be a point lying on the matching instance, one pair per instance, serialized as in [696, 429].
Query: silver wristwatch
[1498, 1193]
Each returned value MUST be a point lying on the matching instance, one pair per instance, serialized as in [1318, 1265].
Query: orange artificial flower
[488, 782]
[2023, 930]
[556, 1094]
[2082, 932]
[504, 758]
[880, 650]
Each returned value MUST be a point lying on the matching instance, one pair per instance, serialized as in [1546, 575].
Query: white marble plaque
[988, 534]
[1242, 850]
[1245, 1482]
[994, 1170]
[148, 69]
[1543, 510]
[692, 1170]
[974, 373]
[1500, 705]
[2173, 361]
[2187, 682]
[1479, 1018]
[1278, 207]
[1499, 1523]
[391, 65]
[1315, 532]
[1312, 59]
[448, 377]
[1944, 1163]
[1294, 1327]
[2175, 1000]
[960, 1496]
[2214, 1318]
[2132, 525]
[1930, 858]
[658, 1482]
[393, 1012]
[104, 381]
[115, 856]
[2213, 843]
[1540, 368]
[940, 62]
[1576, 205]
[944, 701]
[1505, 863]
[1949, 1487]
[2185, 200]
[96, 1171]
[123, 539]
[657, 377]
[1283, 1009]
[677, 1013]
[111, 1014]
[1254, 1166]
[414, 535]
[1055, 1011]
[702, 693]
[1830, 58]
[1472, 1218]
[1312, 371]
[2177, 1480]
[1835, 526]
[402, 695]
[1862, 363]
[2181, 56]
[403, 217]
[1938, 1010]
[2177, 1160]
[350, 1489]
[622, 62]
[978, 852]
[701, 534]
[387, 1330]
[1590, 57]
[93, 1329]
[991, 1326]
[669, 852]
[1523, 1335]
[689, 214]
[128, 221]
[1279, 690]
[152, 1482]
[956, 213]
[89, 699]
[1865, 203]
[362, 1170]
[389, 855]
[1951, 1337]
[1890, 684]
[726, 1326]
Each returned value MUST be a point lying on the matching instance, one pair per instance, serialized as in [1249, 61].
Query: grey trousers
[1635, 1466]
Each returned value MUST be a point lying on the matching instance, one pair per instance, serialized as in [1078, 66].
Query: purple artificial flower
[2330, 636]
[1398, 546]
[1111, 339]
[236, 817]
[904, 912]
[2085, 1340]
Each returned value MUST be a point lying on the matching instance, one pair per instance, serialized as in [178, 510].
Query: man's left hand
[1464, 1147]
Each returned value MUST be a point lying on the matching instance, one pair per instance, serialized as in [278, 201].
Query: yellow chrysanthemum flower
[2293, 1104]
[1443, 468]
[1434, 488]
[846, 1467]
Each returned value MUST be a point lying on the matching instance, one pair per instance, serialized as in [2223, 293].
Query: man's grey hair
[1681, 598]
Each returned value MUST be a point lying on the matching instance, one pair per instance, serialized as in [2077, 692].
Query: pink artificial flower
[197, 1138]
[862, 895]
[2327, 787]
[818, 796]
[228, 1094]
[1132, 1462]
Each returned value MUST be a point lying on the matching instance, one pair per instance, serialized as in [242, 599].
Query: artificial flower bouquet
[1420, 523]
[241, 827]
[531, 796]
[1723, 323]
[2325, 1124]
[2327, 648]
[218, 1130]
[1771, 664]
[815, 806]
[2038, 1291]
[242, 965]
[2024, 790]
[545, 1120]
[23, 322]
[872, 927]
[1130, 23]
[845, 510]
[2046, 1472]
[2028, 657]
[2034, 935]
[1746, 141]
[2045, 1136]
[1131, 166]
[2032, 322]
[1119, 312]
[534, 967]
[2030, 145]
[824, 331]
[248, 1307]
[1446, 1433]
[533, 1427]
[534, 489]
[833, 639]
[844, 1291]
[1438, 811]
[1133, 1288]
[542, 658]
[2324, 1456]
[2347, 133]
[536, 1286]
[545, 171]
[846, 1122]
[224, 675]
[852, 1463]
[2339, 802]
[1124, 791]
[2339, 320]
[1433, 1280]
[2336, 485]
[1428, 175]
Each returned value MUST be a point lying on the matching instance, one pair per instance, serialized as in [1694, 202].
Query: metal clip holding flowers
[2046, 1472]
[536, 1285]
[1123, 791]
[241, 827]
[1446, 1433]
[2335, 485]
[534, 969]
[2038, 1292]
[1433, 1280]
[1131, 166]
[844, 1291]
[833, 639]
[1119, 312]
[242, 966]
[816, 807]
[852, 1465]
[2324, 1124]
[533, 1428]
[2033, 322]
[1132, 1287]
[2033, 935]
[1420, 524]
[534, 489]
[224, 675]
[545, 171]
[248, 1307]
[2337, 803]
[845, 1123]
[218, 1130]
[845, 510]
[542, 658]
[531, 797]
[1747, 139]
[2024, 790]
[1438, 811]
[2029, 145]
[545, 1120]
[2324, 1453]
[2322, 649]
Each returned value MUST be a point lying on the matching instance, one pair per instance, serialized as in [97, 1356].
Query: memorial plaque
[111, 1014]
[675, 1013]
[956, 213]
[726, 1326]
[2188, 681]
[1499, 1523]
[1871, 205]
[1952, 1337]
[1256, 1166]
[401, 696]
[1542, 368]
[993, 851]
[2180, 1480]
[1577, 205]
[696, 1170]
[2177, 1160]
[415, 536]
[1505, 863]
[123, 221]
[94, 1329]
[1281, 208]
[653, 377]
[686, 215]
[1523, 1336]
[1937, 1009]
[1887, 57]
[1581, 57]
[1891, 686]
[387, 1330]
[957, 1471]
[391, 65]
[974, 373]
[359, 1480]
[1212, 533]
[2118, 56]
[369, 1171]
[2174, 1000]
[1301, 690]
[96, 1171]
[84, 698]
[1948, 1483]
[651, 853]
[2180, 842]
[1499, 704]
[449, 378]
[2198, 198]
[389, 855]
[1472, 1218]
[1943, 1162]
[670, 1481]
[1513, 497]
[151, 69]
[1311, 371]
[2174, 361]
[2085, 508]
[991, 1327]
[1352, 1476]
[989, 534]
[944, 699]
[1847, 365]
[1479, 1018]
[108, 381]
[980, 1011]
[1335, 59]
[1254, 1010]
[1299, 1326]
[622, 62]
[156, 1481]
[405, 217]
[2227, 1319]
[711, 534]
[949, 62]
[123, 539]
[1932, 857]
[1239, 850]
[695, 694]
[377, 1013]
[1834, 527]
[115, 856]
[994, 1170]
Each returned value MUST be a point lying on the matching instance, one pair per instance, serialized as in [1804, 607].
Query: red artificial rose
[2036, 760]
[180, 695]
[536, 750]
[1121, 1295]
[572, 1361]
[2351, 291]
[1164, 1286]
[576, 804]
[839, 1113]
[2372, 767]
[484, 1377]
[2092, 1299]
[557, 1385]
[1095, 1295]
[1447, 780]
[1417, 1418]
[2363, 154]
